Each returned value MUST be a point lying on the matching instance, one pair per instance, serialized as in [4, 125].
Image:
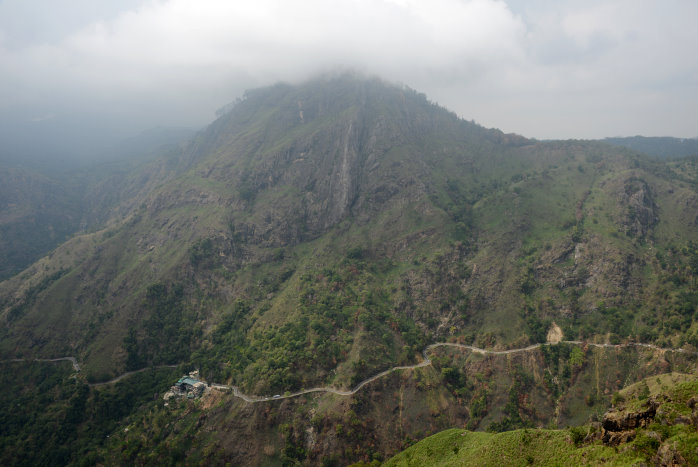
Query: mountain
[663, 147]
[315, 235]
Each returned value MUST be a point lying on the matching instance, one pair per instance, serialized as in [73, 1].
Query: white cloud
[164, 48]
[516, 65]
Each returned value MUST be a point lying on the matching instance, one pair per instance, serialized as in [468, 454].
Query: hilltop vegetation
[318, 234]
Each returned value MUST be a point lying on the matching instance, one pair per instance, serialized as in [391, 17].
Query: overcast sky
[540, 68]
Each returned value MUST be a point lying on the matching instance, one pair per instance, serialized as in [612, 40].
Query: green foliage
[644, 391]
[201, 253]
[617, 399]
[446, 235]
[456, 381]
[576, 358]
[646, 445]
[512, 410]
[333, 307]
[478, 407]
[528, 281]
[247, 190]
[230, 346]
[355, 253]
[560, 360]
[537, 328]
[519, 447]
[577, 434]
[50, 418]
[604, 320]
[170, 330]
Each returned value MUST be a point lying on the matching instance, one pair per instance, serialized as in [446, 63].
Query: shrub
[577, 434]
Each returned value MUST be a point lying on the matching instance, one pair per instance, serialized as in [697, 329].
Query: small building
[187, 386]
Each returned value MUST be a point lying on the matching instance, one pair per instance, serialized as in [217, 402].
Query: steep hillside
[315, 235]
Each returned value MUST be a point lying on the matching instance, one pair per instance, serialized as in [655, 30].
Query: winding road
[426, 362]
[341, 392]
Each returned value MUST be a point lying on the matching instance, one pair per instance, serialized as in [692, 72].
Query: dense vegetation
[50, 417]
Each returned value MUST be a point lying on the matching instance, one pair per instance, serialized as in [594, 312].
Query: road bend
[427, 362]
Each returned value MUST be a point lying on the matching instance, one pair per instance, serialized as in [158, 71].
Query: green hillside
[520, 447]
[315, 235]
[659, 413]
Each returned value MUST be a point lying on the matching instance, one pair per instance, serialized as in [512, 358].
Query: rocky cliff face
[640, 208]
[659, 423]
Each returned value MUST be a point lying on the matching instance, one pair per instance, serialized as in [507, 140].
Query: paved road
[426, 362]
[341, 392]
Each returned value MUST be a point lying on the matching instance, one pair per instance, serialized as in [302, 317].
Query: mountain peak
[315, 235]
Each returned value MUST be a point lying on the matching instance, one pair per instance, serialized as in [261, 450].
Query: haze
[78, 74]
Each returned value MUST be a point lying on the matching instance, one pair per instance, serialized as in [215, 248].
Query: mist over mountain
[315, 235]
[44, 201]
[59, 145]
[665, 147]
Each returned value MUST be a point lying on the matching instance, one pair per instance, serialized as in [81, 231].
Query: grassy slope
[517, 448]
[567, 447]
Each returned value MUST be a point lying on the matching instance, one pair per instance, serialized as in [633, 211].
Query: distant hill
[146, 144]
[662, 147]
[37, 213]
[42, 203]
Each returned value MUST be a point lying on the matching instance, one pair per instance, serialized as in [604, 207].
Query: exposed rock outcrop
[667, 455]
[668, 409]
[640, 209]
[619, 420]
